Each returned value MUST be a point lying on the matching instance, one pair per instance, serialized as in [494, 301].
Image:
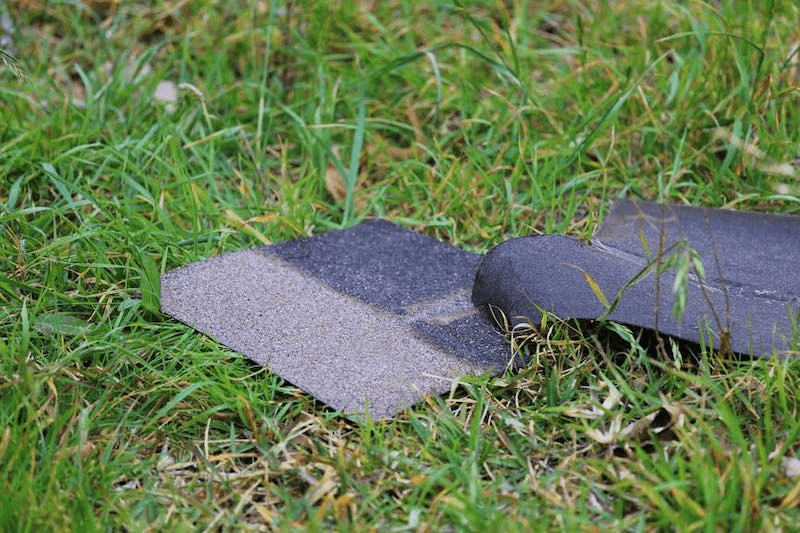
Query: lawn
[137, 137]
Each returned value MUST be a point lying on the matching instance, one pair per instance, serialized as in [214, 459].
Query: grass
[468, 121]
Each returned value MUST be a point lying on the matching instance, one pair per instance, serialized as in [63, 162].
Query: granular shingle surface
[372, 316]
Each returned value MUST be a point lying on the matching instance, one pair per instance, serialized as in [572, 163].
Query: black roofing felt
[376, 316]
[750, 290]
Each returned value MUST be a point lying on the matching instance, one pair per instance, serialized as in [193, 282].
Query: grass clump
[468, 121]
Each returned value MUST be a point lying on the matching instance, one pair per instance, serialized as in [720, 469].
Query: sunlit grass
[469, 122]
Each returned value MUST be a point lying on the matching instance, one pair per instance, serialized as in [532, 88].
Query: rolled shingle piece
[745, 296]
